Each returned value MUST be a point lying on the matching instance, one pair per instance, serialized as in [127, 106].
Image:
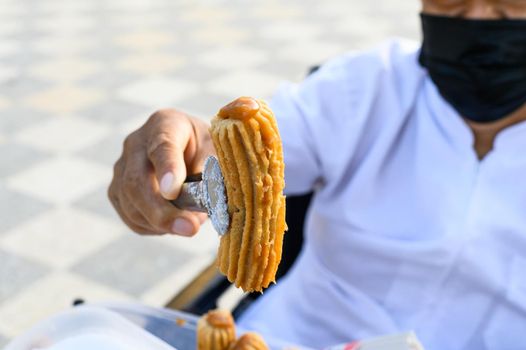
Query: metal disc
[215, 195]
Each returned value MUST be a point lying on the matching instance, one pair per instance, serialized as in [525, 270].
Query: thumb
[167, 158]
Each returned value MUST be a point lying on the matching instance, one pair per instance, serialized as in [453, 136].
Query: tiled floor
[77, 76]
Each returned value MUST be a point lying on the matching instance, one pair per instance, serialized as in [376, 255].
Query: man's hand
[154, 163]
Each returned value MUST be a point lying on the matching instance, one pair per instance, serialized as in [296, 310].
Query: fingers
[151, 171]
[165, 149]
[135, 220]
[131, 216]
[159, 213]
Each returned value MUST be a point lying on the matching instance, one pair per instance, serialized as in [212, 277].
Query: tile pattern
[26, 272]
[77, 76]
[17, 208]
[17, 157]
[106, 266]
[41, 239]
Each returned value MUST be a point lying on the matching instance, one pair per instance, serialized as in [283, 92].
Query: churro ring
[216, 330]
[248, 145]
[249, 341]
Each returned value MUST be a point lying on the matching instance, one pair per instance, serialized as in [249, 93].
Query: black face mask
[479, 66]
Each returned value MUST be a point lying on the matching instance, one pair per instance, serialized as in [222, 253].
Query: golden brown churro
[248, 145]
[216, 330]
[249, 341]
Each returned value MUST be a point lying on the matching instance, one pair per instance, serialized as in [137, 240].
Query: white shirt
[408, 229]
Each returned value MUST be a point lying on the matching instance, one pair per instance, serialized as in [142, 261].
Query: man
[419, 217]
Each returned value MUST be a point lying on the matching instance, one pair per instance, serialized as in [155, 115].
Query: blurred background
[77, 76]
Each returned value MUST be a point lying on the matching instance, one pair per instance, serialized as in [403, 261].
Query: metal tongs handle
[205, 192]
[191, 195]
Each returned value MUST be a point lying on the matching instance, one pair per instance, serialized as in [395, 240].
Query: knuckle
[158, 116]
[128, 140]
[131, 183]
[117, 168]
[162, 142]
[113, 196]
[163, 113]
[132, 140]
[111, 193]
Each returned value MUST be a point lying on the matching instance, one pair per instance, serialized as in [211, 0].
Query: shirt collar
[513, 138]
[510, 140]
[447, 119]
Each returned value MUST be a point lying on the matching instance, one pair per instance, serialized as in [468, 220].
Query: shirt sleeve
[305, 114]
[330, 121]
[302, 164]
